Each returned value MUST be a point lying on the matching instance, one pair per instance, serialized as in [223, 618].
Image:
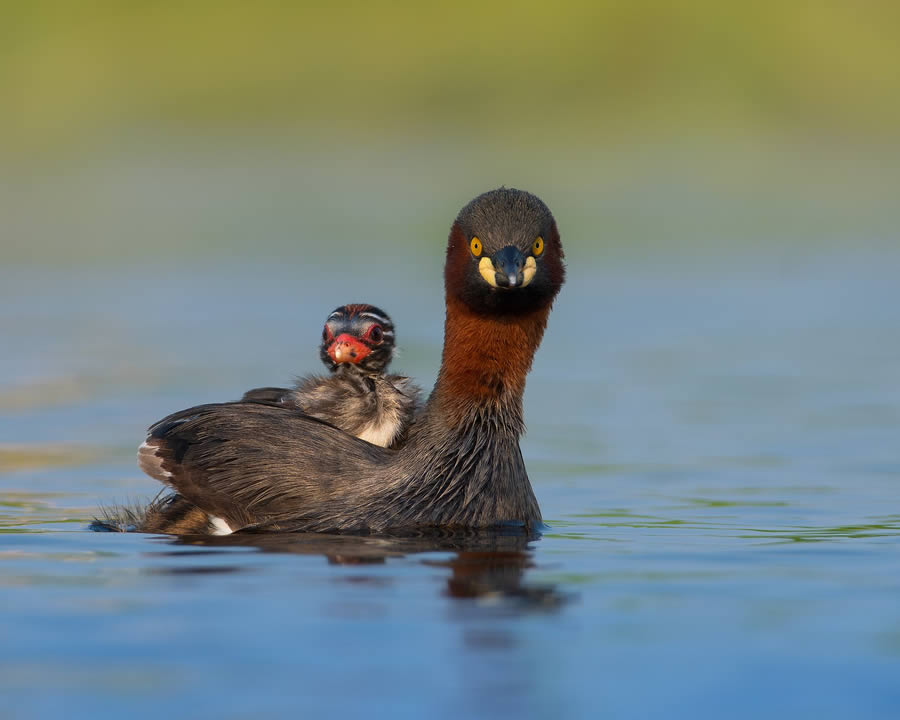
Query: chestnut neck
[485, 361]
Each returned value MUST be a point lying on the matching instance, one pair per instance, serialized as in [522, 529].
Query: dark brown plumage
[265, 467]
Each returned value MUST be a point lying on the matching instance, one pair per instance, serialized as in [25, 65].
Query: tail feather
[167, 513]
[129, 517]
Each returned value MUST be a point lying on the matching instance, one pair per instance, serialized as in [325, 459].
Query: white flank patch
[217, 526]
[151, 450]
[379, 433]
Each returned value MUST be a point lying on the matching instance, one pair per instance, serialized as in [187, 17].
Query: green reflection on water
[31, 457]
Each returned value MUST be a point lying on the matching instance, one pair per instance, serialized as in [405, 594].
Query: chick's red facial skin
[348, 349]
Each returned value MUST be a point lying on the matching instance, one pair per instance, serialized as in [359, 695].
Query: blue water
[714, 439]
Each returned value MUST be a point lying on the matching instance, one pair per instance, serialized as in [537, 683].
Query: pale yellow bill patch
[486, 268]
[489, 272]
[528, 271]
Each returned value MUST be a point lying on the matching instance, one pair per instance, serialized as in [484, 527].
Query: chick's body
[357, 396]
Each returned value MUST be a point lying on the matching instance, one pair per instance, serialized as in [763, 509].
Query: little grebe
[357, 397]
[264, 467]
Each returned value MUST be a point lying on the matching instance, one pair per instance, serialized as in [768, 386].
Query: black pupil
[376, 334]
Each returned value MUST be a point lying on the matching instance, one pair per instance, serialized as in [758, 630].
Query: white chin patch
[217, 526]
[529, 270]
[486, 268]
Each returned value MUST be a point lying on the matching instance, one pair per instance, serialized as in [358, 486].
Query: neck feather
[485, 362]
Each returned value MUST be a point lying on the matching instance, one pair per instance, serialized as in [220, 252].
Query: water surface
[713, 440]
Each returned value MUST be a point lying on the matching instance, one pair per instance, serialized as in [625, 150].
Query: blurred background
[194, 129]
[155, 154]
[188, 188]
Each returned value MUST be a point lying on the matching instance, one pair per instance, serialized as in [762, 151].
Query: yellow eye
[537, 247]
[475, 247]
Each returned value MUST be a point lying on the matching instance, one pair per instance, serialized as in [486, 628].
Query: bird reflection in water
[486, 566]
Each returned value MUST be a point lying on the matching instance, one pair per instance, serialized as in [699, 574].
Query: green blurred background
[134, 129]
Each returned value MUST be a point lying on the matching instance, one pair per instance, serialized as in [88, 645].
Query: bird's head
[504, 254]
[359, 335]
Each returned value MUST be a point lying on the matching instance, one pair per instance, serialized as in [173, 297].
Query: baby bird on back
[357, 396]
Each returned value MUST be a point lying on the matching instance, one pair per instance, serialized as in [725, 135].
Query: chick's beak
[347, 349]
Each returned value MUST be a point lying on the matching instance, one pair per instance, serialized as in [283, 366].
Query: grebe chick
[357, 396]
